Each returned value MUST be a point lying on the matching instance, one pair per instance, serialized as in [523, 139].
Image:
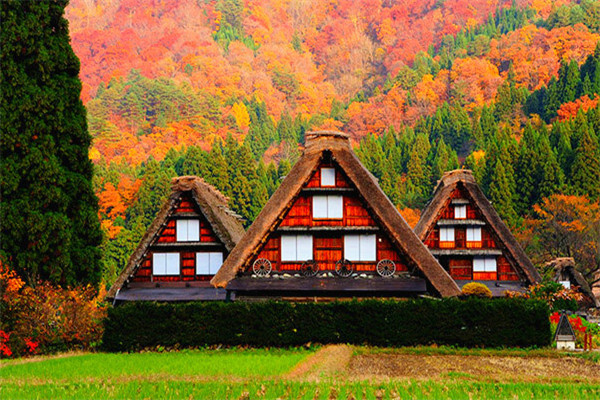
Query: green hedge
[465, 323]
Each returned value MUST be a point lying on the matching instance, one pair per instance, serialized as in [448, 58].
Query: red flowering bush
[47, 318]
[580, 327]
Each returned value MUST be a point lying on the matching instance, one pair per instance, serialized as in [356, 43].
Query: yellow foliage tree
[242, 118]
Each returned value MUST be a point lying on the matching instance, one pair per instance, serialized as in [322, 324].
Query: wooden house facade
[183, 249]
[329, 231]
[463, 231]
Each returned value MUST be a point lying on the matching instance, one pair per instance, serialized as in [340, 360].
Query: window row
[484, 264]
[299, 248]
[169, 263]
[447, 234]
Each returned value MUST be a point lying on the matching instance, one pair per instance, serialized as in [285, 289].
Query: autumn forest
[226, 90]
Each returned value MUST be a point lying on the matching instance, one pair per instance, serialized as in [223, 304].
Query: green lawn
[255, 374]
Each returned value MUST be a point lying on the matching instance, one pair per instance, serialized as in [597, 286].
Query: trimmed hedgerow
[467, 323]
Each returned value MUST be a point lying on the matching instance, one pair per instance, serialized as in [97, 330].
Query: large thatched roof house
[330, 231]
[183, 248]
[464, 232]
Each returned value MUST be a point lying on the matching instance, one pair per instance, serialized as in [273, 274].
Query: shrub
[47, 318]
[477, 289]
[468, 323]
[553, 293]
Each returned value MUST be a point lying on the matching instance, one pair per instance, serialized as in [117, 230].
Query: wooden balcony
[327, 190]
[466, 252]
[183, 245]
[460, 222]
[319, 229]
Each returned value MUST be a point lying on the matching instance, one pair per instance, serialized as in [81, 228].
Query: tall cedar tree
[586, 167]
[50, 227]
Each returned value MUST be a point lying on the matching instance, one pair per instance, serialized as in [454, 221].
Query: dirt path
[331, 360]
[497, 369]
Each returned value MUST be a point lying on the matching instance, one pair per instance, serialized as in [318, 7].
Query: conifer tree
[586, 167]
[500, 195]
[49, 213]
[528, 168]
[551, 175]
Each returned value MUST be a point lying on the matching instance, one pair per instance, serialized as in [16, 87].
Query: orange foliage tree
[567, 226]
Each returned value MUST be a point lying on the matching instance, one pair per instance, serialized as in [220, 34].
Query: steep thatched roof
[213, 205]
[338, 146]
[441, 196]
[564, 270]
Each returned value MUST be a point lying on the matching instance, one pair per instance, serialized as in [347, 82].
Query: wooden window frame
[211, 269]
[327, 218]
[362, 238]
[296, 258]
[154, 259]
[461, 207]
[187, 230]
[447, 244]
[321, 177]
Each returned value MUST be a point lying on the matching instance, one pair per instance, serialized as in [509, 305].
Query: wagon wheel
[309, 268]
[344, 268]
[386, 268]
[262, 267]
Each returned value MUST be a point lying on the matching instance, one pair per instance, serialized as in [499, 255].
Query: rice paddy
[330, 372]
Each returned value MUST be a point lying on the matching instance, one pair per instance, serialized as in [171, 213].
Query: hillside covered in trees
[226, 89]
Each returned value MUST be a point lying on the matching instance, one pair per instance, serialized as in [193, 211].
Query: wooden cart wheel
[344, 268]
[386, 268]
[262, 267]
[309, 268]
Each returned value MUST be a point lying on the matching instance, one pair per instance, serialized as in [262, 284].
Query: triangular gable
[564, 330]
[205, 199]
[390, 220]
[464, 180]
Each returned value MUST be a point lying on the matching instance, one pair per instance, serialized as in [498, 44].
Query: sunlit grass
[268, 389]
[259, 374]
[230, 362]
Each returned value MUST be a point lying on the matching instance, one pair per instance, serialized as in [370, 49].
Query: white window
[474, 234]
[296, 247]
[188, 230]
[330, 206]
[165, 264]
[460, 212]
[360, 247]
[446, 234]
[208, 263]
[484, 264]
[566, 284]
[327, 176]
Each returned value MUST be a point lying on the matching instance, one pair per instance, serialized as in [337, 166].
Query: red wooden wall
[461, 267]
[328, 248]
[187, 261]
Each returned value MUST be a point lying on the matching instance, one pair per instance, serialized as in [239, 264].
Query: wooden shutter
[327, 176]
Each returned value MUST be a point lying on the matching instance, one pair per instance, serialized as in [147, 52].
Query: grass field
[327, 373]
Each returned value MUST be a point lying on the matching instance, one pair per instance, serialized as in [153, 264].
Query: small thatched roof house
[565, 271]
[330, 231]
[183, 247]
[464, 232]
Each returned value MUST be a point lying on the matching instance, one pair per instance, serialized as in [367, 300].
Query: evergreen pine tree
[500, 195]
[50, 228]
[569, 81]
[528, 170]
[551, 175]
[586, 167]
